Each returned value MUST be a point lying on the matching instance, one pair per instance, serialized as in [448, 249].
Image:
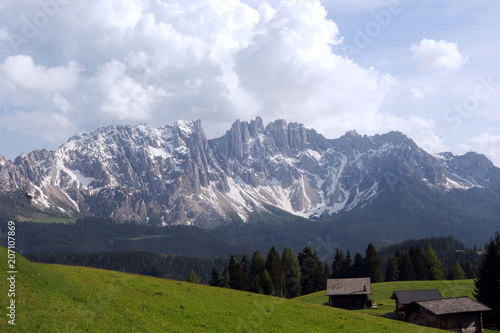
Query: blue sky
[427, 68]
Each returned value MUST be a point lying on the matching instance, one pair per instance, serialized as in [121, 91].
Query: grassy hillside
[381, 292]
[53, 298]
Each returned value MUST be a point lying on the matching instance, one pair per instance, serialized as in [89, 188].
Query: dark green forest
[89, 235]
[138, 262]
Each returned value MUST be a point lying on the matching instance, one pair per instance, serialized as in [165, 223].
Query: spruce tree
[238, 279]
[456, 272]
[357, 266]
[214, 278]
[417, 258]
[244, 264]
[338, 265]
[256, 285]
[257, 265]
[291, 272]
[274, 267]
[267, 283]
[405, 267]
[468, 271]
[226, 282]
[487, 284]
[326, 274]
[348, 265]
[372, 264]
[319, 273]
[392, 271]
[311, 270]
[435, 269]
[193, 278]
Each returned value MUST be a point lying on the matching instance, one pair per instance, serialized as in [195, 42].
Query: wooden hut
[459, 314]
[405, 297]
[349, 293]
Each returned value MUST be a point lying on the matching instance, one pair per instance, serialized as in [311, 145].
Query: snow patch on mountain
[175, 175]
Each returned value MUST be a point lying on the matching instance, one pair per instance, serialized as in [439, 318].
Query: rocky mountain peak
[174, 175]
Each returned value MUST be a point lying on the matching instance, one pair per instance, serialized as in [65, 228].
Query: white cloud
[290, 70]
[421, 93]
[122, 97]
[487, 143]
[22, 73]
[160, 61]
[62, 103]
[50, 126]
[438, 56]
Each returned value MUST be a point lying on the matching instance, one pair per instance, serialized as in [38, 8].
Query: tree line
[288, 275]
[449, 250]
[137, 262]
[416, 264]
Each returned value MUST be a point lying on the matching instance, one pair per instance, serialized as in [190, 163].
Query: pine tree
[256, 270]
[274, 267]
[435, 269]
[267, 283]
[256, 285]
[372, 264]
[257, 265]
[357, 266]
[319, 273]
[487, 284]
[326, 273]
[405, 267]
[214, 278]
[226, 282]
[348, 265]
[238, 279]
[456, 272]
[311, 270]
[417, 258]
[338, 265]
[244, 264]
[193, 278]
[392, 271]
[291, 272]
[468, 271]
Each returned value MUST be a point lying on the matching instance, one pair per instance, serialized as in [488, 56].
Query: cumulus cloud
[290, 69]
[487, 142]
[441, 56]
[50, 126]
[159, 61]
[22, 73]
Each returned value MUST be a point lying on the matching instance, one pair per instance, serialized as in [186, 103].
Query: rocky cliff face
[174, 175]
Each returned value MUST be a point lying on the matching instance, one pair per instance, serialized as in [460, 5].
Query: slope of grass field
[53, 298]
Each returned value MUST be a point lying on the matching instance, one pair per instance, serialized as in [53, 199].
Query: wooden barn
[460, 314]
[405, 297]
[349, 293]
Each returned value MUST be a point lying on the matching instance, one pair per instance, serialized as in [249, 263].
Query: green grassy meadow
[54, 298]
[45, 218]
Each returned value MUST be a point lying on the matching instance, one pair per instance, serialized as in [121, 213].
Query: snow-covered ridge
[175, 174]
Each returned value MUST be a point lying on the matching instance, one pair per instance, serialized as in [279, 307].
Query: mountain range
[174, 175]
